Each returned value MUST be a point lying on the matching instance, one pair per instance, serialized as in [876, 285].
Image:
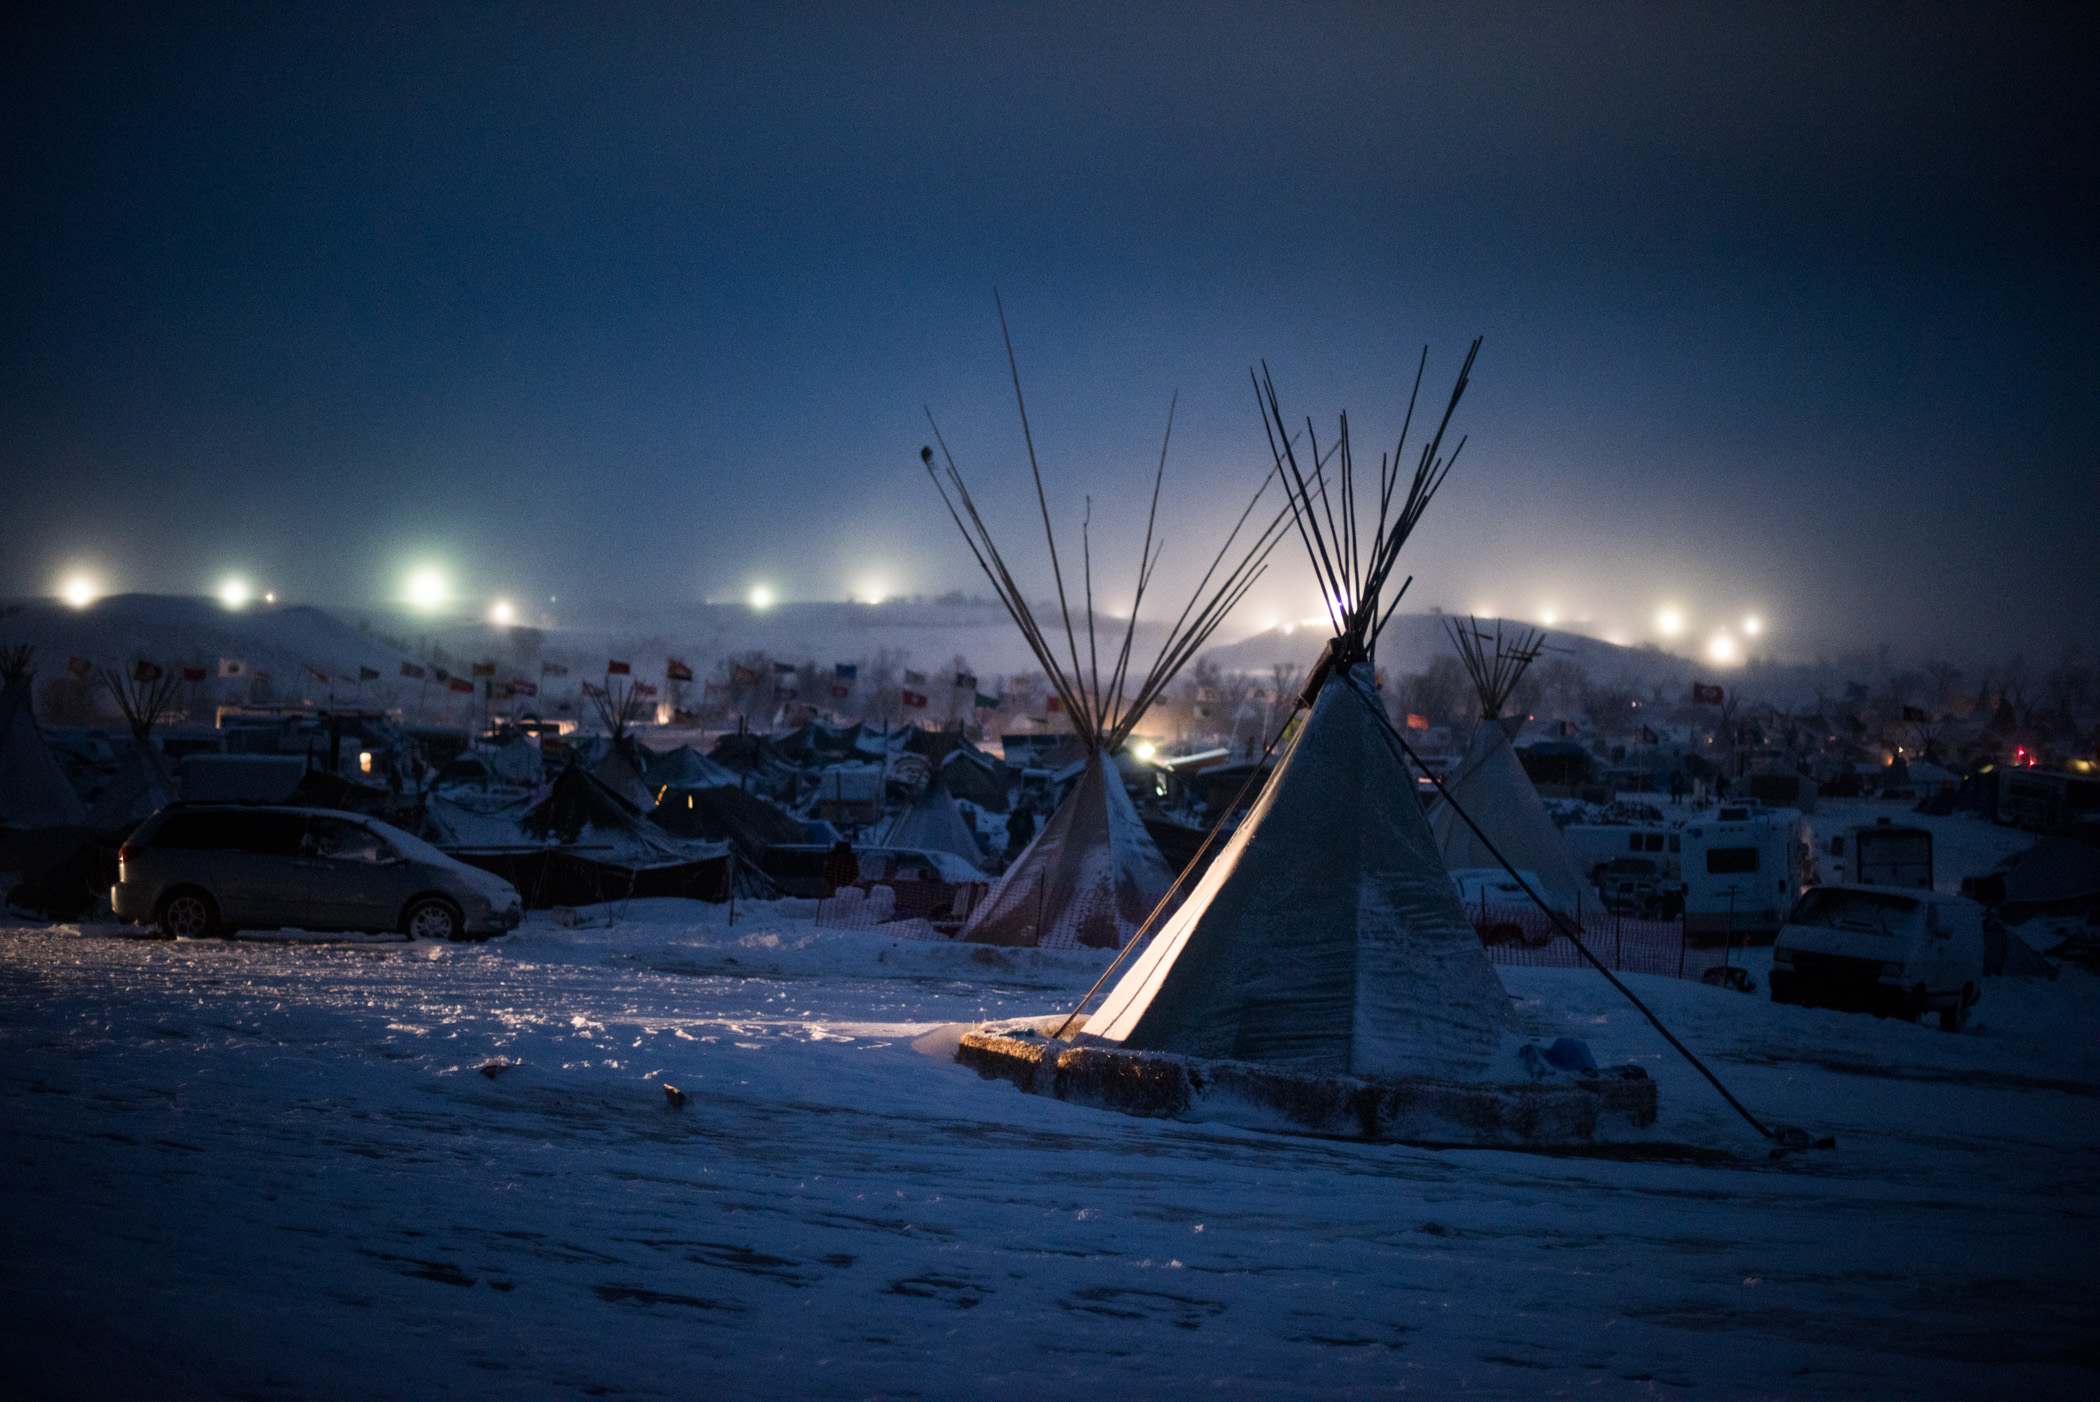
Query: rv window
[1730, 861]
[1675, 843]
[1655, 842]
[1633, 842]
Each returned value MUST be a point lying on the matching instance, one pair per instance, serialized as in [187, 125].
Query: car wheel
[187, 915]
[434, 919]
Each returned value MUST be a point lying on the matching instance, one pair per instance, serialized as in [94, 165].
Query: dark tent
[725, 813]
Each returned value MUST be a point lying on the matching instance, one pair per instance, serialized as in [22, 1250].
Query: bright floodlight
[426, 589]
[234, 593]
[761, 597]
[1145, 752]
[1752, 625]
[1669, 623]
[872, 592]
[501, 613]
[1722, 648]
[1549, 618]
[79, 591]
[269, 598]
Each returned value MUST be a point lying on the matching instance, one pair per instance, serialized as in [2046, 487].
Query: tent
[1092, 873]
[934, 824]
[1491, 785]
[975, 777]
[685, 768]
[1326, 935]
[516, 761]
[725, 813]
[620, 769]
[142, 784]
[34, 791]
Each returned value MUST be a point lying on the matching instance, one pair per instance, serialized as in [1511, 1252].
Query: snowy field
[273, 1169]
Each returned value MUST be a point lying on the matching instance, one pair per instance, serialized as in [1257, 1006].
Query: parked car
[1892, 951]
[201, 869]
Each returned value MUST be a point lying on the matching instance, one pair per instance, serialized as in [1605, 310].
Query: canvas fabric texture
[1326, 936]
[34, 792]
[1495, 792]
[934, 824]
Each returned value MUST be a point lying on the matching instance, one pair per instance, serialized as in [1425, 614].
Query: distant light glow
[1722, 648]
[426, 589]
[502, 614]
[1753, 625]
[78, 590]
[1548, 617]
[234, 593]
[1669, 622]
[1145, 752]
[761, 597]
[269, 598]
[873, 592]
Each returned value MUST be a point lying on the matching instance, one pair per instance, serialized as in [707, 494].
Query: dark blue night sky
[1786, 312]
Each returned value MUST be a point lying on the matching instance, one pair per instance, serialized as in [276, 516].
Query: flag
[618, 669]
[193, 674]
[987, 703]
[676, 671]
[1415, 722]
[412, 670]
[144, 671]
[840, 693]
[501, 691]
[1704, 695]
[553, 669]
[912, 678]
[520, 687]
[743, 676]
[461, 684]
[1054, 705]
[965, 682]
[318, 674]
[484, 669]
[367, 674]
[783, 669]
[643, 689]
[228, 667]
[78, 668]
[914, 698]
[848, 671]
[440, 675]
[1912, 713]
[589, 690]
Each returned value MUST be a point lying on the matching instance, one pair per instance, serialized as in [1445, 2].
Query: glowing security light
[269, 598]
[234, 593]
[1548, 617]
[1752, 625]
[1669, 622]
[761, 597]
[1722, 648]
[426, 589]
[872, 592]
[502, 614]
[1145, 752]
[364, 761]
[79, 591]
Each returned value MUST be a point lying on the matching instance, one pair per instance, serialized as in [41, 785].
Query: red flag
[461, 684]
[840, 693]
[643, 689]
[617, 669]
[915, 698]
[521, 687]
[193, 674]
[1704, 695]
[1054, 705]
[676, 671]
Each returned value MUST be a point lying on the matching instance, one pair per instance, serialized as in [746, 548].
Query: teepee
[1326, 935]
[1491, 785]
[34, 791]
[934, 824]
[1092, 875]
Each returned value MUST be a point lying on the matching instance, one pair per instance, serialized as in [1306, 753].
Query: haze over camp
[982, 702]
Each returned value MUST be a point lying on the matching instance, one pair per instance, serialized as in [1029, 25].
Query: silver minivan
[201, 869]
[1894, 951]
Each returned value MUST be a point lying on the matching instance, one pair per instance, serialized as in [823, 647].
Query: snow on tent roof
[978, 778]
[581, 809]
[1091, 876]
[34, 792]
[1496, 793]
[621, 771]
[686, 768]
[725, 813]
[141, 785]
[933, 824]
[1326, 935]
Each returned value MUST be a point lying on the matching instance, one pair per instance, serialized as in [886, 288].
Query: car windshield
[413, 848]
[1871, 911]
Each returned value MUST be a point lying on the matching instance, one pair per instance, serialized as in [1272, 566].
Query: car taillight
[127, 853]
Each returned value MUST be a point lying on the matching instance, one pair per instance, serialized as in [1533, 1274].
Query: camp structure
[934, 824]
[34, 791]
[1092, 874]
[621, 768]
[1321, 975]
[1491, 785]
[685, 768]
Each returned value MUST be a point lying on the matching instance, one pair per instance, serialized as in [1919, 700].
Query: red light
[126, 853]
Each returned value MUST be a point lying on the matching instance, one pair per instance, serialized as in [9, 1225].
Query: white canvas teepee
[34, 792]
[934, 824]
[1326, 935]
[1093, 874]
[1491, 785]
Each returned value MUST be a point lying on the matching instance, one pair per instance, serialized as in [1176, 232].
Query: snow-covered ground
[273, 1169]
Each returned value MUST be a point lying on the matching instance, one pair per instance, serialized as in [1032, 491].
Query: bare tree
[144, 695]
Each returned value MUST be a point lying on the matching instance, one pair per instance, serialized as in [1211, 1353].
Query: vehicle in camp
[1636, 886]
[1592, 845]
[202, 869]
[1883, 854]
[1742, 868]
[1891, 951]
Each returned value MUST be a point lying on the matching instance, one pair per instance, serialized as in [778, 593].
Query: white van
[1891, 951]
[1742, 867]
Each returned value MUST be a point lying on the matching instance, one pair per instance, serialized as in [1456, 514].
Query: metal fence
[1525, 937]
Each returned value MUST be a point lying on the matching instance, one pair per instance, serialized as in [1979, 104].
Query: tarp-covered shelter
[975, 777]
[34, 792]
[934, 824]
[725, 813]
[685, 768]
[1326, 935]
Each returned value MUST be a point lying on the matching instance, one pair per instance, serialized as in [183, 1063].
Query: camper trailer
[1742, 868]
[1881, 853]
[1592, 846]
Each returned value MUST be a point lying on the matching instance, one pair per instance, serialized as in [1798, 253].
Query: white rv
[1742, 869]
